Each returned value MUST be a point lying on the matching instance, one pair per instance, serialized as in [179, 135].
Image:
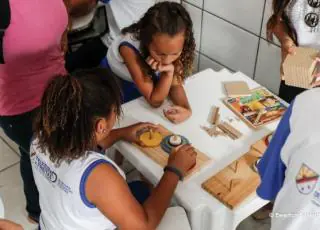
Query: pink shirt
[32, 53]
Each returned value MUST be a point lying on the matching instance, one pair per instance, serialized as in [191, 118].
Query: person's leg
[140, 190]
[19, 129]
[89, 55]
[288, 93]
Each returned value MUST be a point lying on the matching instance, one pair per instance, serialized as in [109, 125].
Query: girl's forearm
[160, 90]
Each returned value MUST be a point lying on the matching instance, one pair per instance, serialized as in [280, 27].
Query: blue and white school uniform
[119, 68]
[63, 202]
[290, 168]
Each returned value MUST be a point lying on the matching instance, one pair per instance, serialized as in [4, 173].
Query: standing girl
[154, 56]
[294, 23]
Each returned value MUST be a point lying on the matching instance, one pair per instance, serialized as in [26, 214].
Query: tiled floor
[13, 198]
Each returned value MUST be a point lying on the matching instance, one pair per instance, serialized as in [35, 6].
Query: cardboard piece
[158, 155]
[237, 88]
[298, 69]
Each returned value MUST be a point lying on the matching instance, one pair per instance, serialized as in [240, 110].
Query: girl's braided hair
[70, 106]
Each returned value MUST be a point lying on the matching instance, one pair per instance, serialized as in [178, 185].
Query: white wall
[231, 34]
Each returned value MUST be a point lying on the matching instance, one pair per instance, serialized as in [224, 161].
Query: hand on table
[183, 158]
[157, 66]
[177, 114]
[132, 132]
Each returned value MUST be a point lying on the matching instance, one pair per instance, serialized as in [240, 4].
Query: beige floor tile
[7, 156]
[11, 192]
[6, 139]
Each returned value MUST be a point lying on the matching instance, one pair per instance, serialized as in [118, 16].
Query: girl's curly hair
[166, 18]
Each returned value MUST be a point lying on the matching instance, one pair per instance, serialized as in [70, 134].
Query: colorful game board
[258, 109]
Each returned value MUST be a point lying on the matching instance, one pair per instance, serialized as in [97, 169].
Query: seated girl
[79, 187]
[154, 56]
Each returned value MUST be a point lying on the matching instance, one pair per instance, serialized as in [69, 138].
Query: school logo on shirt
[306, 180]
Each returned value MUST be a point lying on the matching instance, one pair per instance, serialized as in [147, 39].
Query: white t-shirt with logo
[63, 202]
[305, 18]
[290, 167]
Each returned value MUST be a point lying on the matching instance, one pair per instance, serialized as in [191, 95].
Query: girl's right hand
[157, 66]
[183, 158]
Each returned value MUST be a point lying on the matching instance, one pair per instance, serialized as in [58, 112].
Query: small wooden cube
[298, 69]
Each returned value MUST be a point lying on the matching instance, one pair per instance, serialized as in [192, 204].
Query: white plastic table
[204, 90]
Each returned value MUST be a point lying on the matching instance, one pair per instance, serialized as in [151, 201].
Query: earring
[104, 131]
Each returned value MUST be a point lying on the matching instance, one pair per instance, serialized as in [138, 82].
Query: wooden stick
[256, 121]
[151, 134]
[215, 115]
[233, 130]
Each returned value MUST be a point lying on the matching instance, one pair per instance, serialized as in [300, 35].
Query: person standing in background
[33, 54]
[294, 23]
[120, 14]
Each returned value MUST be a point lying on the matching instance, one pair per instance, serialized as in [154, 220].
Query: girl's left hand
[177, 114]
[132, 132]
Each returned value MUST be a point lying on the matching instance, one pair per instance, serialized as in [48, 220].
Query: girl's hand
[177, 114]
[287, 47]
[183, 158]
[132, 132]
[157, 66]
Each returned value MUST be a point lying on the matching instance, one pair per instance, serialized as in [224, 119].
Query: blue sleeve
[271, 168]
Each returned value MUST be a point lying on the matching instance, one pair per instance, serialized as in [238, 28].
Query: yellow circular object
[151, 139]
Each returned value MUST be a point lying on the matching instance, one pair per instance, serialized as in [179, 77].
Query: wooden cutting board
[238, 180]
[161, 157]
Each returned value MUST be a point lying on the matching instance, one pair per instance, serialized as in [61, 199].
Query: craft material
[158, 155]
[232, 132]
[298, 69]
[237, 181]
[237, 88]
[175, 140]
[168, 146]
[215, 115]
[258, 109]
[151, 138]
